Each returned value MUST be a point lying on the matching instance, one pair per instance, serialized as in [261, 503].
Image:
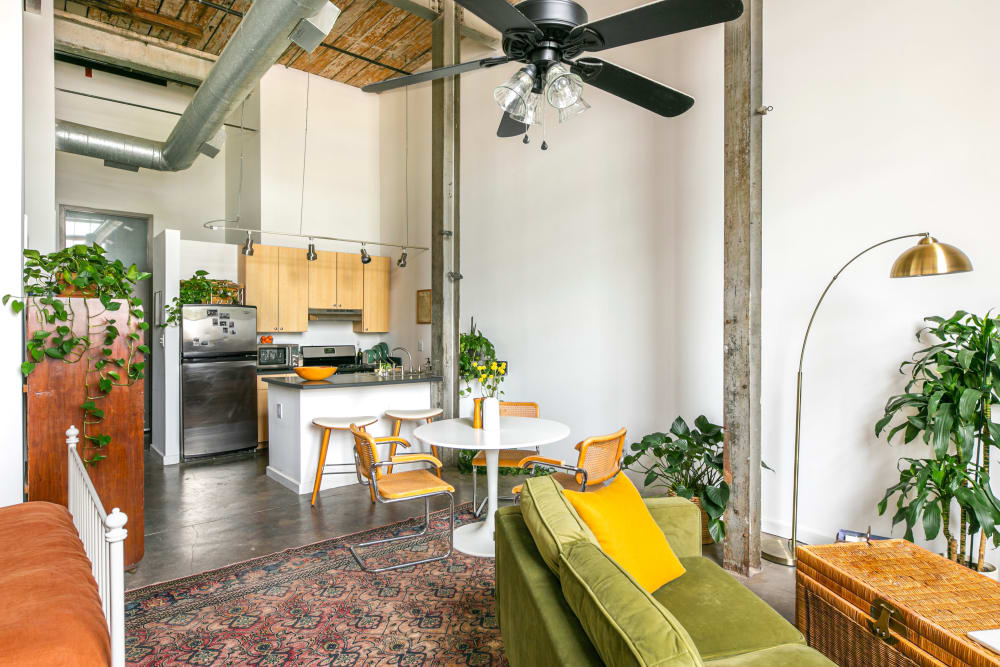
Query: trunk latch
[886, 617]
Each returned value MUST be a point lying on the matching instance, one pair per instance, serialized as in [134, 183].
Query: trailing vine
[199, 288]
[50, 281]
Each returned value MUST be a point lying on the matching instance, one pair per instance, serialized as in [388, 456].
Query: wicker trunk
[893, 603]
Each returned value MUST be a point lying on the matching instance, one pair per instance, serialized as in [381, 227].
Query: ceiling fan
[548, 36]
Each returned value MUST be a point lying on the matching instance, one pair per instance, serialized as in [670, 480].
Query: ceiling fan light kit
[549, 36]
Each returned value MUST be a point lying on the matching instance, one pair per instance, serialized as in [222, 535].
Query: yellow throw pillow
[627, 532]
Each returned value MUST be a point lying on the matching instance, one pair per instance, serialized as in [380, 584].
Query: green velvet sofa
[727, 625]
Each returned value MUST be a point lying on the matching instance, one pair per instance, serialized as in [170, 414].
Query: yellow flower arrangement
[490, 378]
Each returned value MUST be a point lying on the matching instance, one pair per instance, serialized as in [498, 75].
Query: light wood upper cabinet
[293, 288]
[323, 280]
[258, 273]
[350, 280]
[375, 312]
[277, 282]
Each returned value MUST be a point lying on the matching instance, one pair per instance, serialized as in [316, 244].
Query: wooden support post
[445, 266]
[742, 283]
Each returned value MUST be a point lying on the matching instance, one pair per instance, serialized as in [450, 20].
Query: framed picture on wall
[423, 306]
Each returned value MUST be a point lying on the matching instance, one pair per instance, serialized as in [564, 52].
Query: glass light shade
[930, 258]
[511, 95]
[573, 110]
[562, 88]
[532, 114]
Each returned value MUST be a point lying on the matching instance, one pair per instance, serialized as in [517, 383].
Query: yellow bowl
[315, 372]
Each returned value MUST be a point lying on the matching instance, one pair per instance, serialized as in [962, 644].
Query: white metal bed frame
[103, 537]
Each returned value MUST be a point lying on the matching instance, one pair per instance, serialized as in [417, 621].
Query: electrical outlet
[277, 410]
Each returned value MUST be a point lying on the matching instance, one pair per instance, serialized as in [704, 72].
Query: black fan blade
[656, 19]
[430, 75]
[633, 87]
[510, 127]
[501, 15]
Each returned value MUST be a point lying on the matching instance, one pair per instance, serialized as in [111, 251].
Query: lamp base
[777, 549]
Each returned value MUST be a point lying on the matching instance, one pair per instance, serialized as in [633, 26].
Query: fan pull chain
[545, 144]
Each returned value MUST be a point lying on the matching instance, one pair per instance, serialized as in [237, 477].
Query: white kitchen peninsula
[293, 441]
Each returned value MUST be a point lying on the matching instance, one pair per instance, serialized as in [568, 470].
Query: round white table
[476, 539]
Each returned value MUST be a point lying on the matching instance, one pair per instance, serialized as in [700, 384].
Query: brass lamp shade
[930, 258]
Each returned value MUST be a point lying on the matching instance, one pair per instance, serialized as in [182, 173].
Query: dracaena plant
[946, 402]
[106, 284]
[688, 462]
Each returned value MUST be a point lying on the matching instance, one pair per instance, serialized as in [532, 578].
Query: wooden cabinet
[277, 282]
[375, 311]
[262, 405]
[336, 280]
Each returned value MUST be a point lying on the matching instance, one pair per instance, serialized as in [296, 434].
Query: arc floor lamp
[927, 258]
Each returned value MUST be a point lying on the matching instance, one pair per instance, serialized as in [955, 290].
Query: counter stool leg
[396, 427]
[434, 449]
[322, 464]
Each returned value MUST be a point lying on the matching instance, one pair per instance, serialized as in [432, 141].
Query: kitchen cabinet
[262, 405]
[375, 311]
[336, 280]
[276, 280]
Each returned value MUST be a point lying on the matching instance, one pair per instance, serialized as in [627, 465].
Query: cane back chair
[509, 458]
[599, 459]
[396, 487]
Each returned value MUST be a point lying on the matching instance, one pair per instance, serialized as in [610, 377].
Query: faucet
[408, 357]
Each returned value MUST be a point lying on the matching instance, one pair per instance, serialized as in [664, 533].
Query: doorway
[124, 236]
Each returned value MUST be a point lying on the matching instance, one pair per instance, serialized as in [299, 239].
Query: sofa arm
[680, 521]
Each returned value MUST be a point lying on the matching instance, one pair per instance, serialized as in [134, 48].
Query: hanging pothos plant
[102, 285]
[199, 288]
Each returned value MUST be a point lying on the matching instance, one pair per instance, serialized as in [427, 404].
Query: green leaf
[55, 352]
[17, 306]
[104, 384]
[679, 427]
[717, 529]
[882, 423]
[650, 477]
[965, 358]
[932, 520]
[967, 403]
[27, 367]
[942, 433]
[932, 404]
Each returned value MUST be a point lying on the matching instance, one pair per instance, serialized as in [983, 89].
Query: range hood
[342, 314]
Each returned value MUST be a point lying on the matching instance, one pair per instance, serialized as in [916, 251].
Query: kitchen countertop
[350, 380]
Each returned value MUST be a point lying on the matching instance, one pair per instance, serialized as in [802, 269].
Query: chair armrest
[391, 438]
[529, 461]
[532, 461]
[415, 458]
[680, 521]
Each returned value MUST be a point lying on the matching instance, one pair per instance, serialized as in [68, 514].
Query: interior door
[126, 237]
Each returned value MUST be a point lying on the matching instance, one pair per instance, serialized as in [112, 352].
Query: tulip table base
[476, 539]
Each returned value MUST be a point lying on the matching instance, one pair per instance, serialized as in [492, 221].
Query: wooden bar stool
[425, 415]
[339, 424]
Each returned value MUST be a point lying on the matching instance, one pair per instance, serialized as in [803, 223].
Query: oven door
[274, 356]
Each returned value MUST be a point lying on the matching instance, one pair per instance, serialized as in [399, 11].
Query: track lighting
[248, 246]
[401, 262]
[512, 95]
[365, 257]
[311, 253]
[562, 87]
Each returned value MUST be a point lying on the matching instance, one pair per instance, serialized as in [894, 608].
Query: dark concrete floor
[208, 514]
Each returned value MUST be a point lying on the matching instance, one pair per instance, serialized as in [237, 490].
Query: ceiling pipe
[262, 36]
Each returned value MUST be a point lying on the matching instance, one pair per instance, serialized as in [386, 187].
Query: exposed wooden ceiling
[371, 40]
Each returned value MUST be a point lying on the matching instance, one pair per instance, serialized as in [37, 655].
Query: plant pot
[990, 571]
[491, 414]
[69, 290]
[706, 537]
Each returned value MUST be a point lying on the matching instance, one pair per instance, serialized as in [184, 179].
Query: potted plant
[199, 288]
[687, 462]
[104, 286]
[946, 402]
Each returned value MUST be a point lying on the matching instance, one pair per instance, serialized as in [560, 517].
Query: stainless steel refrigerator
[218, 379]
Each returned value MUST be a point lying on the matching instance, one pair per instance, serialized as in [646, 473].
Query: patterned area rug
[313, 606]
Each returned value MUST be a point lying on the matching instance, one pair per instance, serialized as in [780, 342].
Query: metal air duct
[263, 35]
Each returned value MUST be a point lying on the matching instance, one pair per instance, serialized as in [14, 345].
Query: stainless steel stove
[344, 357]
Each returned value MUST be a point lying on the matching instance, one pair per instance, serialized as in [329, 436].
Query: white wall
[11, 194]
[39, 138]
[181, 200]
[168, 254]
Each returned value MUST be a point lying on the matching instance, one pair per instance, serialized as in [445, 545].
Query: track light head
[248, 246]
[365, 257]
[401, 262]
[311, 253]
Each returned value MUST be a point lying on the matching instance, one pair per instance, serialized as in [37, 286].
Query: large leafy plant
[199, 288]
[84, 271]
[475, 351]
[946, 403]
[687, 462]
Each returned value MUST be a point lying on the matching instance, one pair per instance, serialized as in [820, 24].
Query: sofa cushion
[627, 532]
[51, 612]
[787, 655]
[625, 624]
[722, 616]
[551, 519]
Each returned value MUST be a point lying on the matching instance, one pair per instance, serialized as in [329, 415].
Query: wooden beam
[118, 8]
[742, 285]
[423, 11]
[445, 239]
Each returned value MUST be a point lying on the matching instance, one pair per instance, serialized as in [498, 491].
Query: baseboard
[286, 481]
[804, 534]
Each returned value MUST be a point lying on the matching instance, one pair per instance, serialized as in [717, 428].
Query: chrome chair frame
[570, 469]
[427, 521]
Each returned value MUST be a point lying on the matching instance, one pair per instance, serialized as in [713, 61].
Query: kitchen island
[293, 403]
